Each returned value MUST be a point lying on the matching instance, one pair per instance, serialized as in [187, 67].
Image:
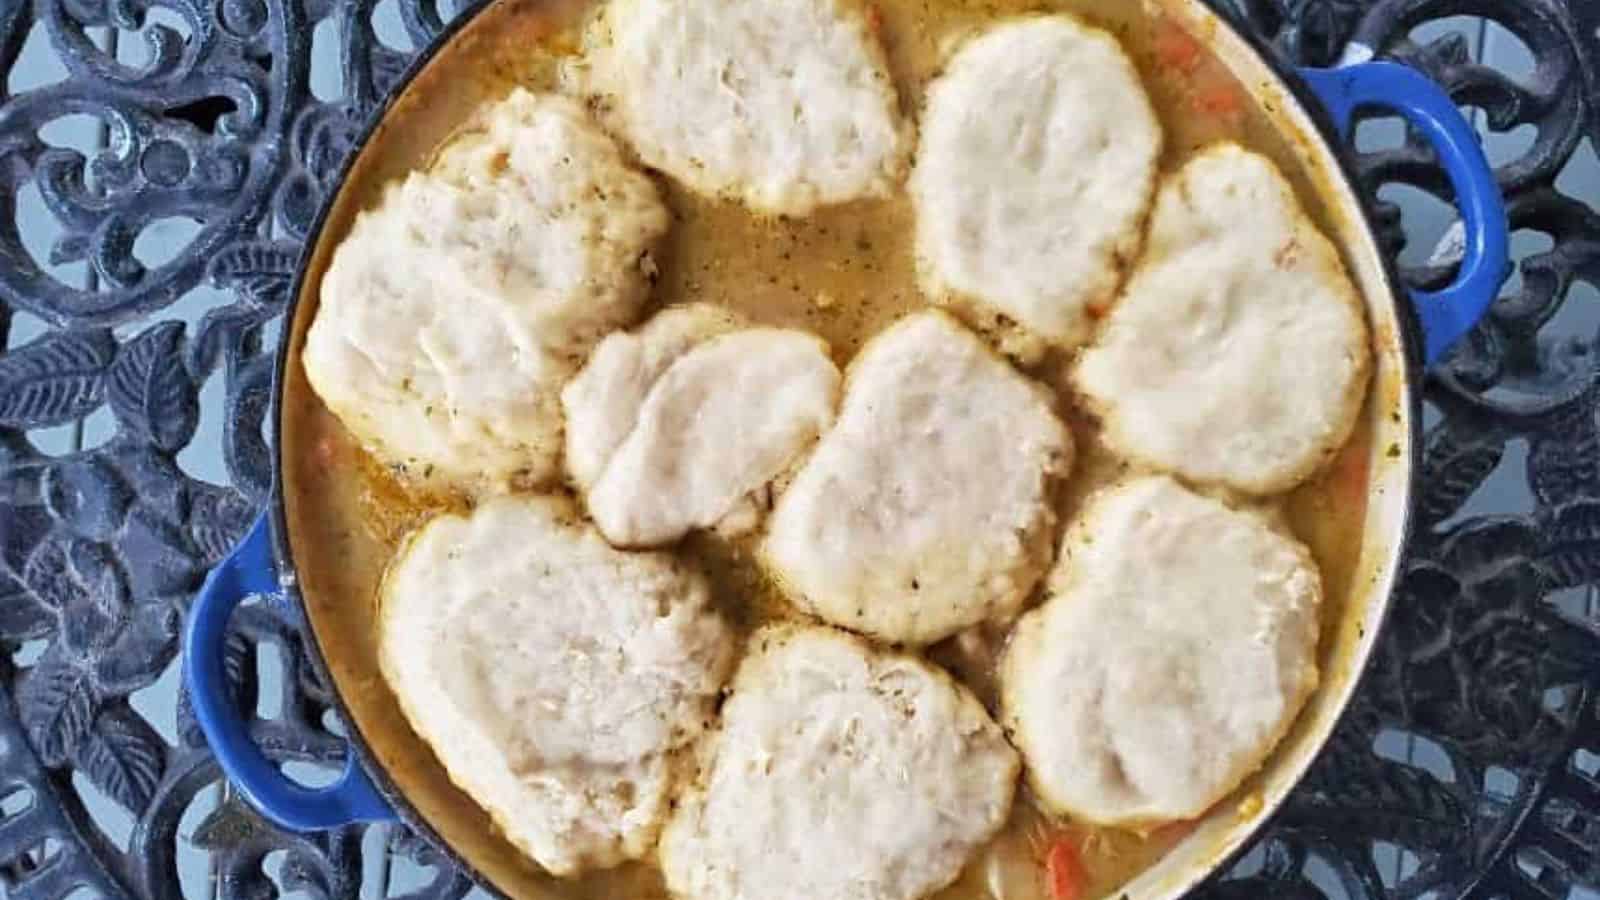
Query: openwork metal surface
[156, 182]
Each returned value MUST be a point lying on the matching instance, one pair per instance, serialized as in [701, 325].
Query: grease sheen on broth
[843, 273]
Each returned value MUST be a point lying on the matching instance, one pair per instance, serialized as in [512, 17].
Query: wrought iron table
[160, 161]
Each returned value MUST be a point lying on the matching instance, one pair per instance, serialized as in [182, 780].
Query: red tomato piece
[1064, 872]
[1176, 50]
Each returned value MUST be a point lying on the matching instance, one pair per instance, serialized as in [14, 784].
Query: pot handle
[250, 571]
[1446, 315]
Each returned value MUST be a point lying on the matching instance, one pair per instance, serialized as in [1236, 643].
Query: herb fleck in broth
[844, 273]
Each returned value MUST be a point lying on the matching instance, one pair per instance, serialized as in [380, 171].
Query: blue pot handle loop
[1446, 315]
[251, 571]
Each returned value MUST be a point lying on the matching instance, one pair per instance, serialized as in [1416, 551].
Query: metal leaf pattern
[160, 558]
[56, 702]
[1397, 803]
[139, 653]
[83, 584]
[123, 757]
[55, 379]
[22, 617]
[219, 329]
[218, 519]
[231, 824]
[87, 496]
[1559, 469]
[1456, 459]
[1485, 660]
[97, 575]
[1573, 549]
[44, 574]
[150, 390]
[260, 273]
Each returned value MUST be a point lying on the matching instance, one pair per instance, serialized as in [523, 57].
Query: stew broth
[843, 273]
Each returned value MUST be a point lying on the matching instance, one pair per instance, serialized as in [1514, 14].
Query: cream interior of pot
[844, 273]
